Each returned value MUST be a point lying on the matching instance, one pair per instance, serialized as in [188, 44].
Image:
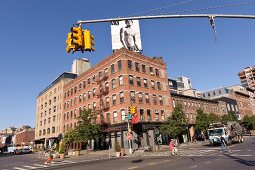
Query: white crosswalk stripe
[41, 166]
[188, 152]
[199, 152]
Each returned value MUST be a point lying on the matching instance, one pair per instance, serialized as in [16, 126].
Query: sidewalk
[102, 155]
[89, 156]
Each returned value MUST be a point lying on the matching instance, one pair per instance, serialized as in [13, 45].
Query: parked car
[25, 150]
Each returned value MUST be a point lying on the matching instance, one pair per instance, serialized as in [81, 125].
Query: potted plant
[117, 148]
[61, 150]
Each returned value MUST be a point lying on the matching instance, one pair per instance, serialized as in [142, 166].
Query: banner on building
[126, 34]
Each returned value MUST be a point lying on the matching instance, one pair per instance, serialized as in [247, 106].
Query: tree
[202, 121]
[213, 118]
[176, 123]
[249, 122]
[86, 129]
[229, 117]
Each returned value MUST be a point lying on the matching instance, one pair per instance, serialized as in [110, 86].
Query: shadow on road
[242, 161]
[137, 161]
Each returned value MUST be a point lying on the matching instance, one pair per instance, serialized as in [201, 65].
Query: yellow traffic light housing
[132, 110]
[70, 46]
[77, 37]
[88, 41]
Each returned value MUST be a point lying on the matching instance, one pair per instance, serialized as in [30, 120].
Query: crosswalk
[41, 166]
[195, 152]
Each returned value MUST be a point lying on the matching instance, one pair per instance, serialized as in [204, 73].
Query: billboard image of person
[126, 34]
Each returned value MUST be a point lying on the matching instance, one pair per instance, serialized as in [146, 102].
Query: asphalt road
[241, 156]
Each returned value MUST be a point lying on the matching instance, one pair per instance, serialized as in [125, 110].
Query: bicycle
[175, 152]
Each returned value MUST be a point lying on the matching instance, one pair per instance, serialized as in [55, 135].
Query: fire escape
[103, 105]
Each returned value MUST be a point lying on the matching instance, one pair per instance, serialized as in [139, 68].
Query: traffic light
[88, 41]
[77, 37]
[132, 110]
[69, 44]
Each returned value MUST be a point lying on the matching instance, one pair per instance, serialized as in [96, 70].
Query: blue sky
[33, 34]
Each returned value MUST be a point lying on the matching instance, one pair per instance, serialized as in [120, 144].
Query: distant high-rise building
[80, 66]
[247, 77]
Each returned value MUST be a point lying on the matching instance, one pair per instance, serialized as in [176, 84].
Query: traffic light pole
[129, 141]
[169, 16]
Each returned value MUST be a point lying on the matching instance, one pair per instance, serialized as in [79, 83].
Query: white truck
[231, 131]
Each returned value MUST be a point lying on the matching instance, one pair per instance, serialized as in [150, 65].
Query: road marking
[207, 162]
[153, 163]
[135, 167]
[193, 167]
[19, 168]
[41, 165]
[31, 167]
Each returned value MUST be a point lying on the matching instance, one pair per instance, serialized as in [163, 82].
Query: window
[113, 83]
[114, 99]
[53, 129]
[145, 83]
[115, 117]
[137, 67]
[152, 84]
[84, 84]
[94, 92]
[143, 68]
[84, 97]
[106, 86]
[140, 97]
[94, 77]
[151, 71]
[138, 80]
[148, 114]
[157, 72]
[132, 96]
[44, 131]
[106, 72]
[129, 64]
[119, 65]
[48, 131]
[154, 97]
[156, 115]
[123, 114]
[100, 75]
[80, 98]
[121, 97]
[108, 101]
[79, 86]
[120, 80]
[162, 115]
[112, 68]
[131, 80]
[88, 94]
[141, 114]
[49, 110]
[49, 120]
[147, 99]
[88, 80]
[159, 86]
[160, 100]
[94, 106]
[54, 109]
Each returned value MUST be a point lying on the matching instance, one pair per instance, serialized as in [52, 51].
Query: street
[241, 156]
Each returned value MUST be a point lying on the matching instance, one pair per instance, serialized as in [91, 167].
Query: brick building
[25, 137]
[111, 86]
[191, 104]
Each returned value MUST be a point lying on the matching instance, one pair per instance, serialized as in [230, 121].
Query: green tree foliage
[249, 122]
[202, 121]
[176, 123]
[213, 118]
[229, 117]
[86, 129]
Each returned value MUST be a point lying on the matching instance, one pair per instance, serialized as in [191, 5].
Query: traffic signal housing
[77, 37]
[88, 41]
[70, 46]
[132, 110]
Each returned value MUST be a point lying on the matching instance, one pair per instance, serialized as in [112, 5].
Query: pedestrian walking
[223, 145]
